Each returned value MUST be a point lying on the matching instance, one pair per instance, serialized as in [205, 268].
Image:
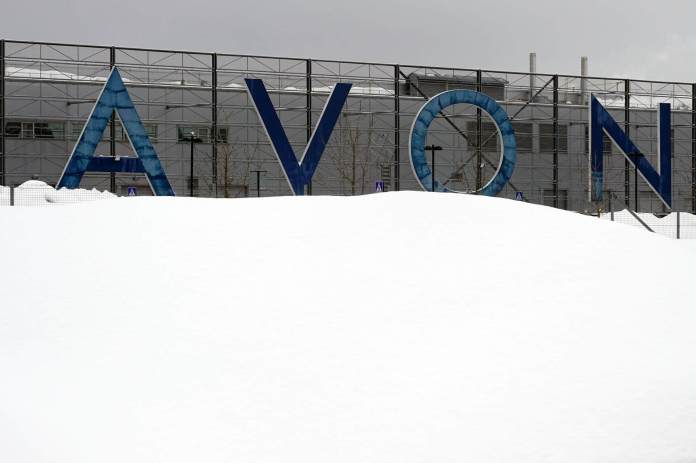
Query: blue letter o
[419, 132]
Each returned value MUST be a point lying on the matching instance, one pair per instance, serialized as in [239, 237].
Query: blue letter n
[660, 180]
[299, 173]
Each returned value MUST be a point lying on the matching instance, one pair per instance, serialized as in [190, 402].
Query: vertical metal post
[479, 136]
[432, 161]
[214, 115]
[432, 149]
[3, 177]
[12, 195]
[258, 173]
[678, 225]
[532, 73]
[397, 128]
[584, 71]
[555, 141]
[611, 206]
[627, 121]
[191, 168]
[112, 127]
[309, 112]
[693, 148]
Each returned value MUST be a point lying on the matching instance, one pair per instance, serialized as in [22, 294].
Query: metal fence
[39, 194]
[678, 225]
[47, 91]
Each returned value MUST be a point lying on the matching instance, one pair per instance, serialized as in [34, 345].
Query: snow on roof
[643, 101]
[608, 99]
[32, 73]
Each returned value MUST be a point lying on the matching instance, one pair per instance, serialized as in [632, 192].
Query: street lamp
[193, 139]
[432, 149]
[258, 181]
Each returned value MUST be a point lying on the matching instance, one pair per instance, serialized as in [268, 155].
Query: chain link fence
[678, 225]
[35, 193]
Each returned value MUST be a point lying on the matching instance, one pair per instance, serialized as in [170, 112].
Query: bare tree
[230, 181]
[352, 159]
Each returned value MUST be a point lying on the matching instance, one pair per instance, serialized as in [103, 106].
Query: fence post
[308, 77]
[397, 129]
[627, 129]
[214, 114]
[112, 126]
[611, 206]
[3, 111]
[479, 135]
[555, 141]
[678, 225]
[11, 195]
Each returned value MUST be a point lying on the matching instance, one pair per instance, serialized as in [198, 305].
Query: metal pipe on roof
[583, 79]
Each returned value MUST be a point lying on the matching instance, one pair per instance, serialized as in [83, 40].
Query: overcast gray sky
[638, 39]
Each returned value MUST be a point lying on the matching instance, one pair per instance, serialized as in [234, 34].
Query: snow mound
[38, 193]
[396, 327]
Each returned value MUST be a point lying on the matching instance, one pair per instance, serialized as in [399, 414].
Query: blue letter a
[660, 181]
[114, 96]
[299, 173]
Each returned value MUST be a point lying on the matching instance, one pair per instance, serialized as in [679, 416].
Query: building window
[489, 135]
[548, 198]
[546, 138]
[150, 129]
[202, 132]
[606, 142]
[524, 135]
[183, 133]
[76, 129]
[13, 129]
[77, 126]
[35, 129]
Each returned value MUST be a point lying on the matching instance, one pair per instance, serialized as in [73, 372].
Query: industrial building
[48, 90]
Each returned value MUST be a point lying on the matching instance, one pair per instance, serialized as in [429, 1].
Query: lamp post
[193, 139]
[432, 149]
[258, 181]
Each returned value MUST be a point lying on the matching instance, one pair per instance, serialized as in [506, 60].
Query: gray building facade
[48, 91]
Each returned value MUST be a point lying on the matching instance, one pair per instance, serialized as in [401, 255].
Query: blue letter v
[299, 173]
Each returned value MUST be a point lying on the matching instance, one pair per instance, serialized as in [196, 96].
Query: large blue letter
[115, 96]
[660, 181]
[298, 174]
[430, 110]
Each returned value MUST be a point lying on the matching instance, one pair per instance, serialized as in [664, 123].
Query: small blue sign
[132, 191]
[519, 196]
[379, 187]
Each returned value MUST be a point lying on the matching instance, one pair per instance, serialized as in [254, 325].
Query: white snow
[396, 327]
[38, 193]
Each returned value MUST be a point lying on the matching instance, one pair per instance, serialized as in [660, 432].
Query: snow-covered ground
[396, 327]
[38, 193]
